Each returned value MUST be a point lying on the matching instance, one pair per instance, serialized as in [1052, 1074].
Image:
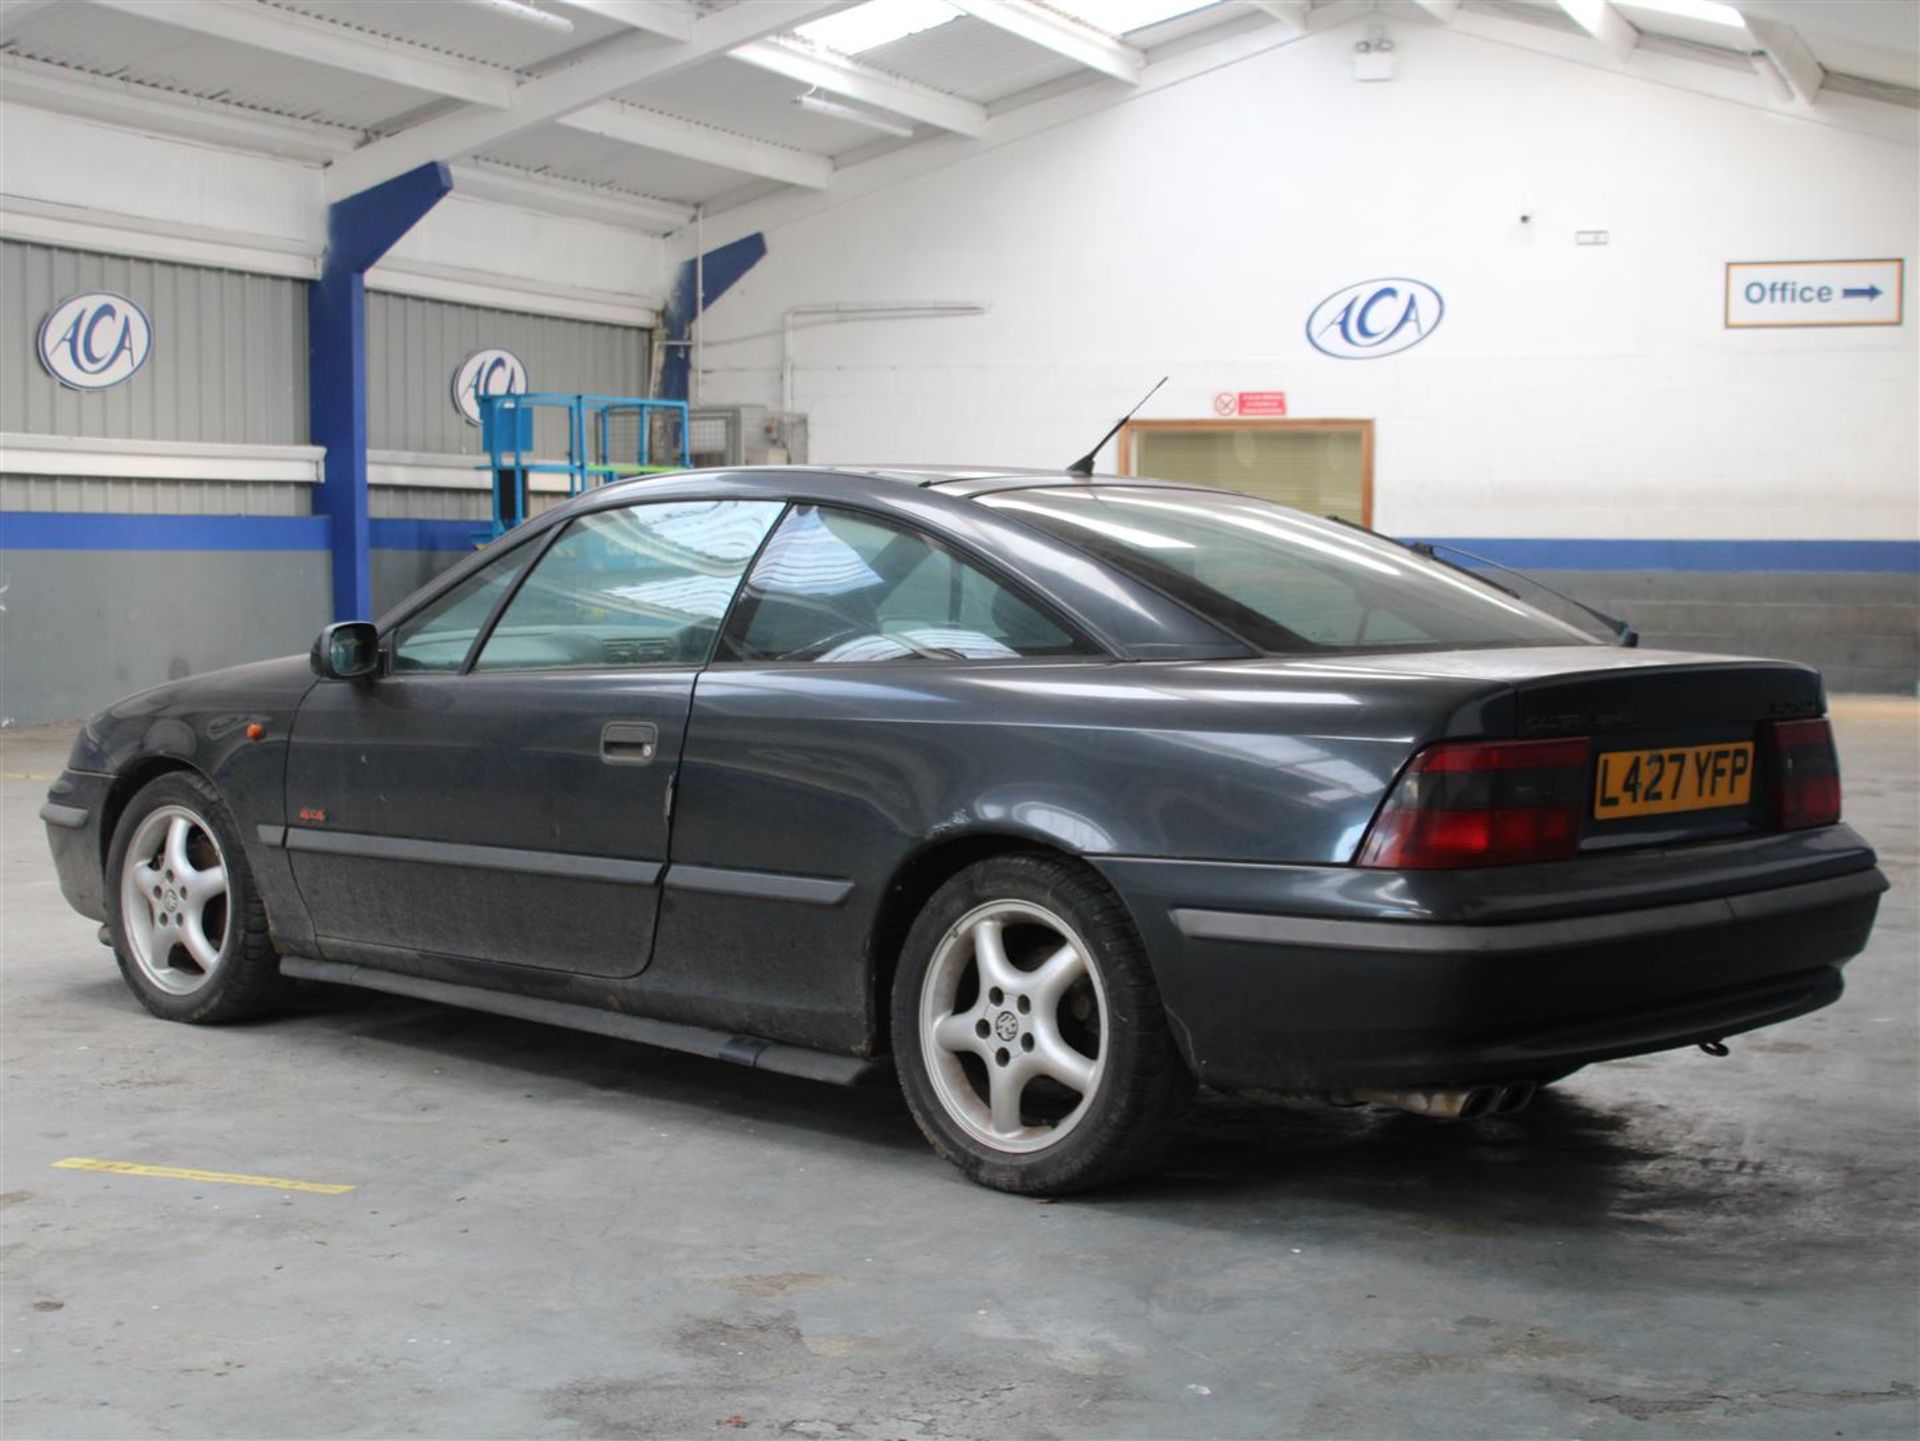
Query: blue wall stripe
[391, 533]
[1901, 557]
[68, 530]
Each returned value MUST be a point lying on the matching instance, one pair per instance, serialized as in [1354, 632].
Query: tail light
[1482, 803]
[1806, 773]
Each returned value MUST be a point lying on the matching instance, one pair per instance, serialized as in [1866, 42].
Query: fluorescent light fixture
[839, 110]
[532, 14]
[1117, 17]
[877, 23]
[1711, 11]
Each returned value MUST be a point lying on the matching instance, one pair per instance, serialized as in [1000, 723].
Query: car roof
[958, 480]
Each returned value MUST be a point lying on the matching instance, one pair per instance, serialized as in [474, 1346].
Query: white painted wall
[1571, 391]
[214, 196]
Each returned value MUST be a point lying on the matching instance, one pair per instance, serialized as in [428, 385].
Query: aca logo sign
[95, 341]
[492, 371]
[1375, 318]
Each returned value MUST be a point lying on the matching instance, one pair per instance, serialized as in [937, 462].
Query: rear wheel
[1033, 1048]
[188, 927]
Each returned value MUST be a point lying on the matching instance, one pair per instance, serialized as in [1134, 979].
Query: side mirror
[347, 650]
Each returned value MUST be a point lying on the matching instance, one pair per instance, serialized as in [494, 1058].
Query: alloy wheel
[173, 900]
[1013, 1026]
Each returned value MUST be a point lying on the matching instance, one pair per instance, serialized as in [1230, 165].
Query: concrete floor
[557, 1235]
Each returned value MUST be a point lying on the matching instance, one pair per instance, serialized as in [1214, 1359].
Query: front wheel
[1032, 1045]
[188, 927]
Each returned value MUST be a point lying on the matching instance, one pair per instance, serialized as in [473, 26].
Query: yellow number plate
[1684, 778]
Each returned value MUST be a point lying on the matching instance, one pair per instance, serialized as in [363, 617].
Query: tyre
[1029, 1035]
[188, 927]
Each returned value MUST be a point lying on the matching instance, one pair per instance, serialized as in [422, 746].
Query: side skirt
[750, 1051]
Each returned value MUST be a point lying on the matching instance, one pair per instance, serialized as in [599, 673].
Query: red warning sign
[1261, 402]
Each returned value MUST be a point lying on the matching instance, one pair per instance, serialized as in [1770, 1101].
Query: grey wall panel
[229, 359]
[415, 345]
[1862, 631]
[154, 497]
[82, 628]
[420, 502]
[397, 574]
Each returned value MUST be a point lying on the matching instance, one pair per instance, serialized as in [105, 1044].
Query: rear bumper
[73, 815]
[1298, 978]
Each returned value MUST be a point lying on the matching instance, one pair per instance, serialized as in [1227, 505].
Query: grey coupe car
[1062, 794]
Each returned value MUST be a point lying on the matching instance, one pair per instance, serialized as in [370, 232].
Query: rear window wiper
[1623, 632]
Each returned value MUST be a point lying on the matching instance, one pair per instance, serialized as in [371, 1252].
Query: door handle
[629, 743]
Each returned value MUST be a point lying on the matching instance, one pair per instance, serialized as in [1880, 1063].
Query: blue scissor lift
[609, 437]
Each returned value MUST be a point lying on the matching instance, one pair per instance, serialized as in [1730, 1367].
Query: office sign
[1373, 318]
[492, 371]
[95, 341]
[1790, 294]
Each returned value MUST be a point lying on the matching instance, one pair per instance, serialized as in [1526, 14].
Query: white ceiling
[371, 86]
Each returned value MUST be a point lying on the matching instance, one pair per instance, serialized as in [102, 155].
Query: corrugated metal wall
[154, 497]
[414, 346]
[229, 359]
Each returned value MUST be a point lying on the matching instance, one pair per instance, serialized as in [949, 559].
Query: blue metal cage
[609, 438]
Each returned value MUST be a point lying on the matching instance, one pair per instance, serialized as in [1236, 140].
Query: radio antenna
[1083, 467]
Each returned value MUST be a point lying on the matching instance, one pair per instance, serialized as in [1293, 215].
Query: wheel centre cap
[173, 900]
[1006, 1025]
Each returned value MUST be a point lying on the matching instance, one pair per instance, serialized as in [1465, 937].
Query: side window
[832, 586]
[643, 585]
[439, 637]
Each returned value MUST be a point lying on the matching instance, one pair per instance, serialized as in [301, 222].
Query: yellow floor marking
[24, 776]
[182, 1173]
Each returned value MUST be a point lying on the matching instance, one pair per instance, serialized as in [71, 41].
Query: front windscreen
[1279, 579]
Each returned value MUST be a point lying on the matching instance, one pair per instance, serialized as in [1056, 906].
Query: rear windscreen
[1279, 579]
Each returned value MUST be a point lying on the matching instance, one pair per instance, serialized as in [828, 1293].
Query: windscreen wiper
[1623, 632]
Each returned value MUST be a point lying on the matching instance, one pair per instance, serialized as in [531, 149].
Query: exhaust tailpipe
[1462, 1103]
[1454, 1103]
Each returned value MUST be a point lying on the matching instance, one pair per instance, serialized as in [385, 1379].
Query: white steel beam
[547, 196]
[1786, 61]
[320, 42]
[674, 136]
[672, 19]
[854, 81]
[1605, 24]
[613, 66]
[1290, 13]
[1441, 10]
[1053, 31]
[142, 107]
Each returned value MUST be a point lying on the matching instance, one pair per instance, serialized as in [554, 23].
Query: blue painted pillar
[718, 270]
[360, 229]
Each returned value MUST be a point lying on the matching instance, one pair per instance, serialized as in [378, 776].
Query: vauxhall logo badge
[95, 341]
[1375, 318]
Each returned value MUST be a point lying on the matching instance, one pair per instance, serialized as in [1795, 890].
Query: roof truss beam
[142, 107]
[1605, 24]
[1290, 13]
[854, 81]
[1053, 31]
[546, 196]
[673, 136]
[616, 65]
[1441, 10]
[669, 19]
[1786, 62]
[298, 37]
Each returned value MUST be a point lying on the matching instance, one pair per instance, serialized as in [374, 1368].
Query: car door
[501, 792]
[828, 727]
